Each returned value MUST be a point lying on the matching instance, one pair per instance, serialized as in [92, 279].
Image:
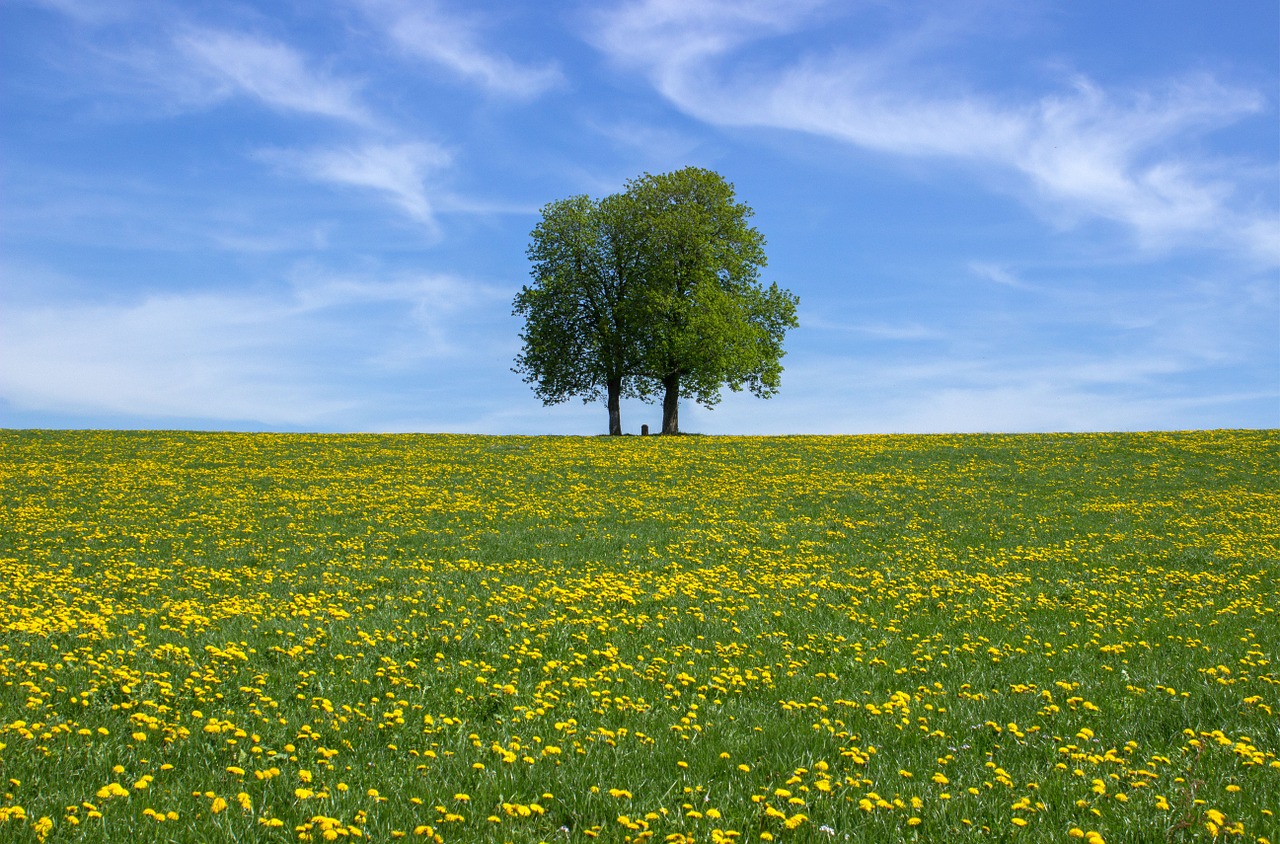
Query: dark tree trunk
[671, 405]
[615, 409]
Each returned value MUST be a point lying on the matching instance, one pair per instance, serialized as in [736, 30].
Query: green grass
[809, 638]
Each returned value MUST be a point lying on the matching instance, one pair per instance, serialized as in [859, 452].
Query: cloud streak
[279, 359]
[271, 72]
[1088, 392]
[428, 33]
[397, 172]
[1080, 153]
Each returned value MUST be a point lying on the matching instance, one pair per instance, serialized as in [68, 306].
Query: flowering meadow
[259, 637]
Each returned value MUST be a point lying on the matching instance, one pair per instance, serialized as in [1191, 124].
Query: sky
[295, 216]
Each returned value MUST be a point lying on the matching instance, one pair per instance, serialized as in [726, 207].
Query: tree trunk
[671, 405]
[615, 409]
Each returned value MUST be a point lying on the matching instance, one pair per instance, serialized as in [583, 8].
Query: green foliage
[654, 290]
[710, 323]
[577, 335]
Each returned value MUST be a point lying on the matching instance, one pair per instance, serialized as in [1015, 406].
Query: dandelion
[408, 562]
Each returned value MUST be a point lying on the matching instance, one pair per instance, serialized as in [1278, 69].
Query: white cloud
[427, 32]
[432, 304]
[174, 356]
[320, 353]
[997, 273]
[835, 395]
[1082, 152]
[1072, 354]
[90, 12]
[396, 171]
[274, 73]
[692, 29]
[646, 146]
[907, 331]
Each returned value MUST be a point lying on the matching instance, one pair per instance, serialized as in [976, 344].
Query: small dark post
[644, 430]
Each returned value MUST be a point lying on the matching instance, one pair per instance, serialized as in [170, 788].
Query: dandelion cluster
[455, 638]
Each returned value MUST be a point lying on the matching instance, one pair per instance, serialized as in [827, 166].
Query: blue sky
[998, 216]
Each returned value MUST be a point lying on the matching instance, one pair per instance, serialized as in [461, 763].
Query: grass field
[458, 638]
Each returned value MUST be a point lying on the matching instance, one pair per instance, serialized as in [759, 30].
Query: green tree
[580, 335]
[708, 321]
[652, 291]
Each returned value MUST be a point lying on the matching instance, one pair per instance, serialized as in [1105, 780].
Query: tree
[654, 290]
[580, 336]
[708, 321]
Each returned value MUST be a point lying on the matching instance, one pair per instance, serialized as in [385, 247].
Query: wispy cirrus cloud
[428, 32]
[161, 56]
[236, 63]
[200, 67]
[1038, 349]
[397, 172]
[907, 331]
[969, 392]
[292, 355]
[1078, 153]
[90, 12]
[283, 78]
[998, 273]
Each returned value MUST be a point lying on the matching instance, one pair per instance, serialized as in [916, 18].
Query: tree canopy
[581, 335]
[651, 291]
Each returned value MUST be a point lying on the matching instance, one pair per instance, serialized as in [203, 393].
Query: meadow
[258, 637]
